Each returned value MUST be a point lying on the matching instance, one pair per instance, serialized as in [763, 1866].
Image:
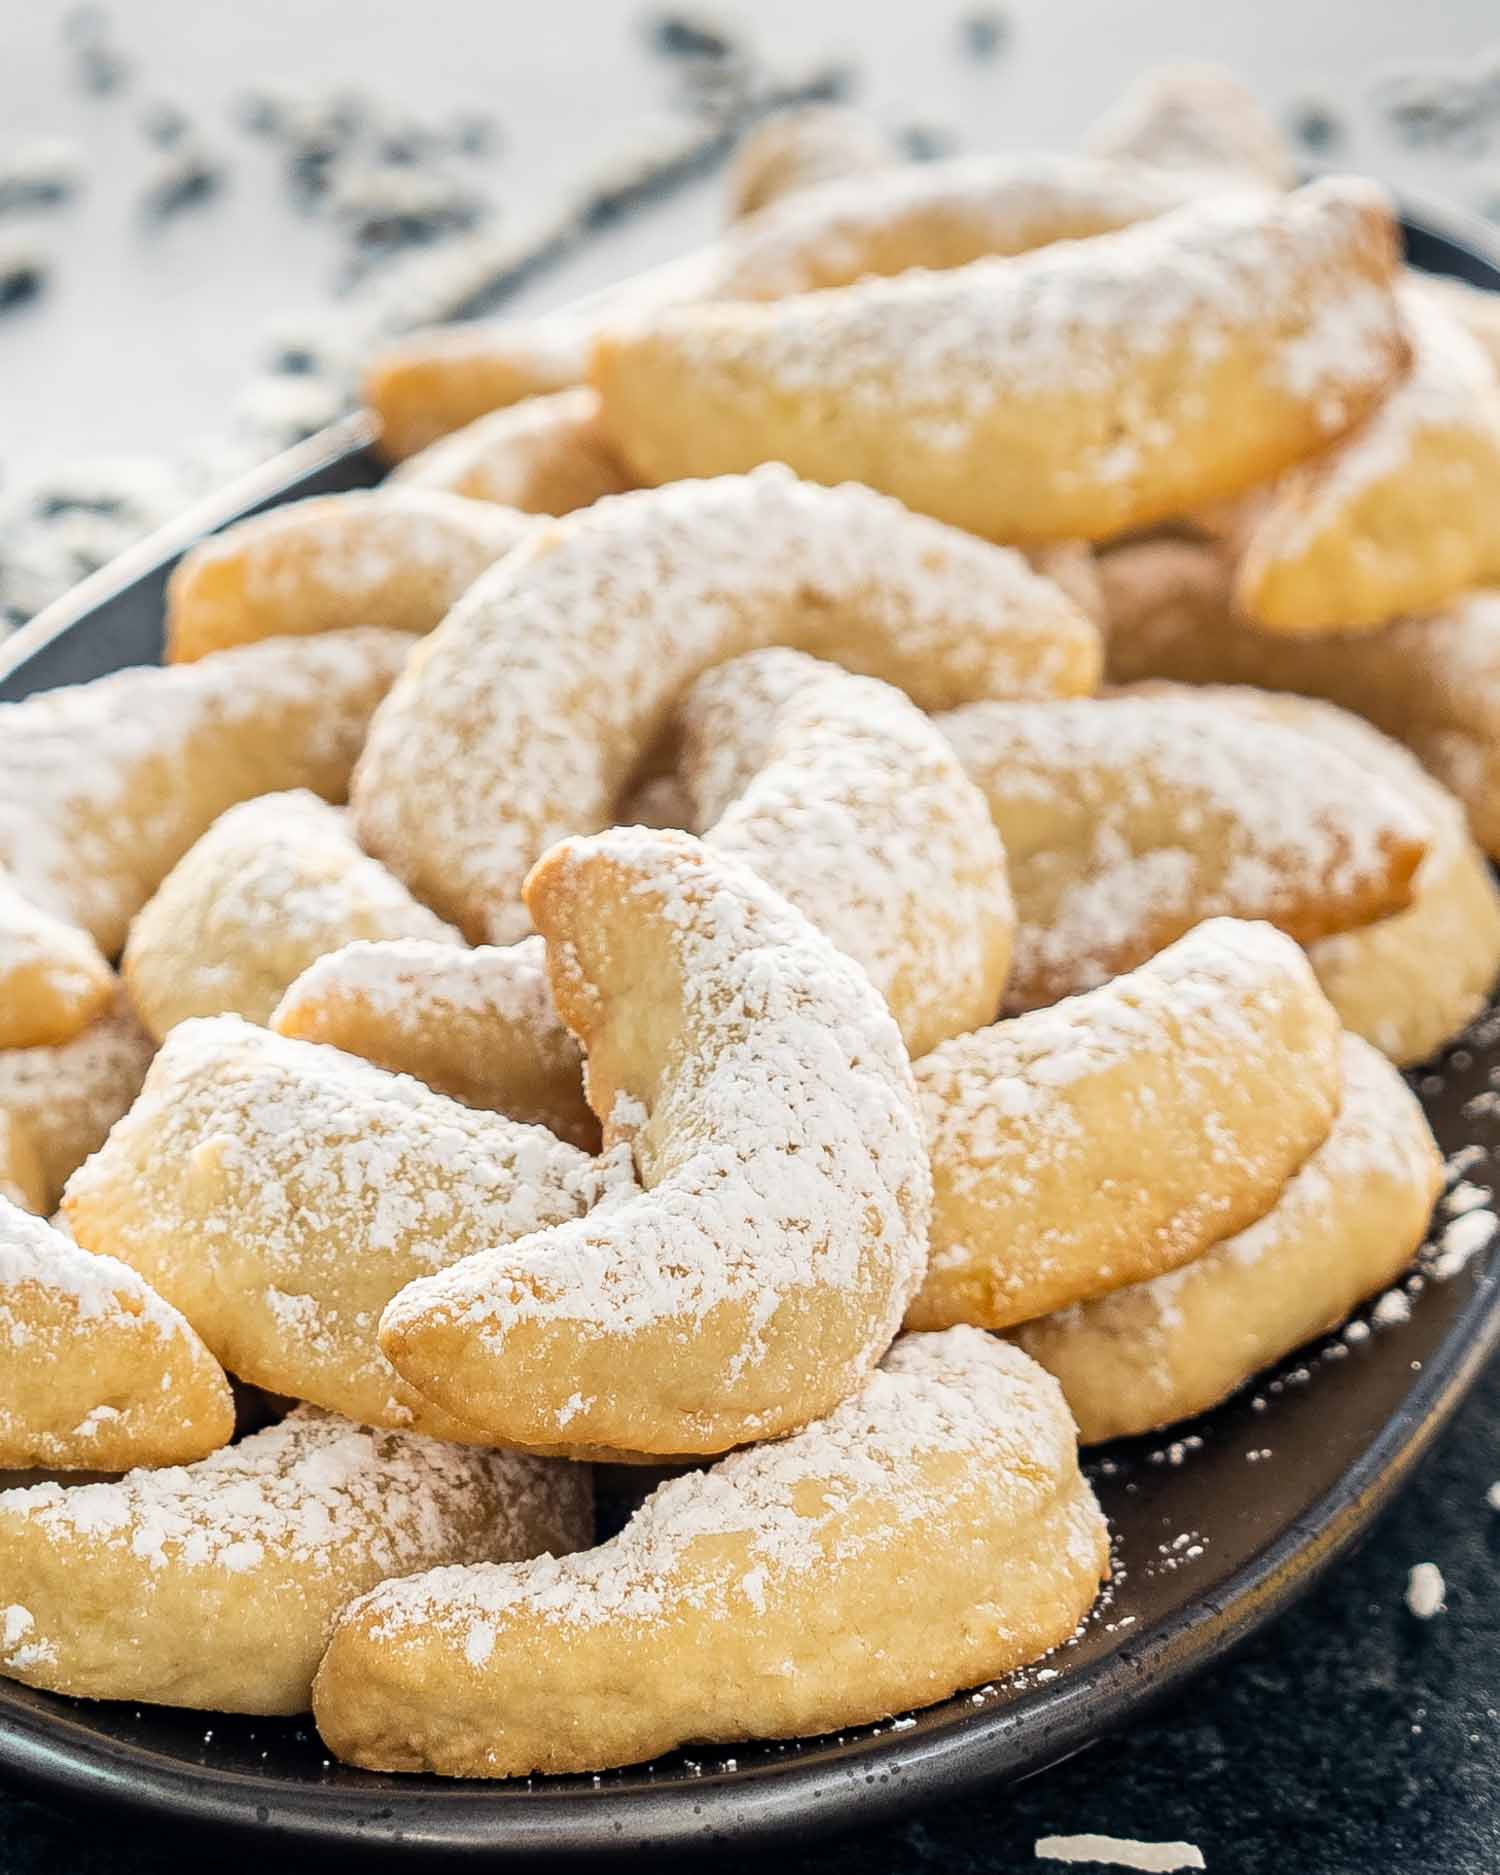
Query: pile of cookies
[828, 986]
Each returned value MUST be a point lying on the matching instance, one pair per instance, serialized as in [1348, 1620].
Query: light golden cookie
[1432, 683]
[479, 1025]
[397, 557]
[1346, 1224]
[215, 1585]
[433, 382]
[1382, 979]
[801, 147]
[98, 1372]
[1120, 1133]
[280, 1194]
[762, 1268]
[274, 884]
[1398, 517]
[771, 1596]
[1083, 390]
[1476, 308]
[22, 1179]
[527, 715]
[1196, 120]
[62, 1101]
[936, 216]
[53, 981]
[1129, 819]
[105, 785]
[544, 455]
[849, 801]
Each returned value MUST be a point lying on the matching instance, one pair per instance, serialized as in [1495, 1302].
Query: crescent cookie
[842, 795]
[1432, 683]
[105, 785]
[1400, 516]
[798, 148]
[1381, 978]
[1120, 1133]
[59, 1103]
[397, 557]
[1129, 819]
[275, 883]
[1198, 120]
[22, 1179]
[98, 1372]
[779, 1232]
[215, 1585]
[479, 1025]
[931, 1533]
[544, 455]
[53, 981]
[936, 216]
[1086, 389]
[280, 1194]
[1346, 1224]
[576, 648]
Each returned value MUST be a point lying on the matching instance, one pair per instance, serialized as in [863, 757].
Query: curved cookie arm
[397, 557]
[762, 1270]
[858, 812]
[1118, 1134]
[801, 148]
[1400, 516]
[1432, 683]
[577, 647]
[1087, 389]
[479, 1025]
[215, 1585]
[280, 1193]
[59, 1103]
[544, 455]
[1129, 819]
[948, 1483]
[105, 785]
[1196, 120]
[1346, 1224]
[53, 980]
[275, 883]
[99, 1372]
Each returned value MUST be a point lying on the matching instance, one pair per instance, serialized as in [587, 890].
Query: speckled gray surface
[1351, 1738]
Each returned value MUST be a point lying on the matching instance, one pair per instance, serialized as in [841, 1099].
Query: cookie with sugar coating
[1129, 819]
[105, 785]
[99, 1373]
[215, 1585]
[1345, 1225]
[280, 1193]
[1117, 1135]
[801, 147]
[1196, 119]
[762, 1265]
[396, 557]
[842, 795]
[1086, 389]
[275, 883]
[1433, 683]
[1401, 515]
[479, 1025]
[59, 1103]
[53, 981]
[948, 1483]
[1380, 978]
[544, 455]
[576, 648]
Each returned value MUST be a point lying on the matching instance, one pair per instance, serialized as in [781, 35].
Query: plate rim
[822, 1789]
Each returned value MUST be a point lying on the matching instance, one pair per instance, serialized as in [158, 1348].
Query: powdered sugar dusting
[575, 648]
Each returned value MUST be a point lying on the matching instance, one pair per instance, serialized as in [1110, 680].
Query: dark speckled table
[1352, 1739]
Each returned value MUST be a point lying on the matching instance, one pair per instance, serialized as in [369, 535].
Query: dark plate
[1216, 1531]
